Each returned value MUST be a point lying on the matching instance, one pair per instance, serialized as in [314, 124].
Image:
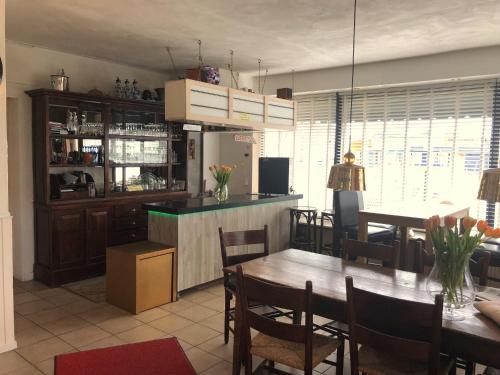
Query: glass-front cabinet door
[76, 160]
[138, 152]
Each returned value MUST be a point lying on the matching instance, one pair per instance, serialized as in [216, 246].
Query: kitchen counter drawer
[126, 236]
[129, 209]
[130, 222]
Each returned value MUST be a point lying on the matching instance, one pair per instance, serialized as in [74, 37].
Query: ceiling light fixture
[348, 176]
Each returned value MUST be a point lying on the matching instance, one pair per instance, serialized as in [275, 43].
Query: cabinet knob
[133, 222]
[133, 210]
[133, 236]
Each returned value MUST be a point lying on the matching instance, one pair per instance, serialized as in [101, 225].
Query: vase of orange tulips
[221, 175]
[450, 275]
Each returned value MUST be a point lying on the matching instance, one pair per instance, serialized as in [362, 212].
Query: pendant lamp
[489, 189]
[348, 176]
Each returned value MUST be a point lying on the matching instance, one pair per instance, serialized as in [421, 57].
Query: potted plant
[450, 274]
[221, 175]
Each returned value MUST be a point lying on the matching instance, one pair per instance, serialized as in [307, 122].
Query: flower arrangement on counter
[221, 175]
[450, 275]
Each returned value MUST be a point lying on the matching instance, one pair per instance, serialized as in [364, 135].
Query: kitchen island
[191, 225]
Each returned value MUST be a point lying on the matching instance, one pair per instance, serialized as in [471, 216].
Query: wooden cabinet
[72, 230]
[140, 276]
[187, 100]
[97, 233]
[68, 237]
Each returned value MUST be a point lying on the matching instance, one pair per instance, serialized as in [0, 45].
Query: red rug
[159, 357]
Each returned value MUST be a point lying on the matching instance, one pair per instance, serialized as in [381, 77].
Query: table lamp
[489, 190]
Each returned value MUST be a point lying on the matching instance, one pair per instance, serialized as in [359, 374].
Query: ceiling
[285, 34]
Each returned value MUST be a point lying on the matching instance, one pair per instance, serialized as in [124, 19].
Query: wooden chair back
[300, 300]
[240, 238]
[411, 329]
[347, 206]
[478, 266]
[388, 255]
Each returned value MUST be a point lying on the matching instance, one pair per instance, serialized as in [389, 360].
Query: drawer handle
[133, 236]
[133, 222]
[133, 210]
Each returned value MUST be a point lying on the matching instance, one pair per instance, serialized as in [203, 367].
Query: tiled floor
[54, 321]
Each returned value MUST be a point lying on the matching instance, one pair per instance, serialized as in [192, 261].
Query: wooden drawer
[129, 209]
[130, 235]
[130, 222]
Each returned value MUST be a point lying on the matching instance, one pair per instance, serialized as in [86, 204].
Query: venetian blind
[424, 143]
[310, 147]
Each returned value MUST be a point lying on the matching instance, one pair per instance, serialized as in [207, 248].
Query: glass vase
[221, 192]
[452, 279]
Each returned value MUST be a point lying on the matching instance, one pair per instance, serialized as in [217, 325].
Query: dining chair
[387, 255]
[241, 238]
[347, 205]
[478, 264]
[291, 344]
[394, 336]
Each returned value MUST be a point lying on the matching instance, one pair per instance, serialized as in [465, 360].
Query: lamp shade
[489, 190]
[347, 176]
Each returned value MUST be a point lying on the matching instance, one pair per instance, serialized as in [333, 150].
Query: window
[417, 143]
[311, 148]
[423, 143]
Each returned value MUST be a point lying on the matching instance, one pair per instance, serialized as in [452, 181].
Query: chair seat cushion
[374, 362]
[292, 353]
[491, 371]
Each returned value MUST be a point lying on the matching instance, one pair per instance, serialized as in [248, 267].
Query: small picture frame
[191, 149]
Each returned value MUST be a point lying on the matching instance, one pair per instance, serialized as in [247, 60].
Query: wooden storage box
[140, 275]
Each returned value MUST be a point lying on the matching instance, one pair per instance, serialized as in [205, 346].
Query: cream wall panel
[470, 63]
[7, 339]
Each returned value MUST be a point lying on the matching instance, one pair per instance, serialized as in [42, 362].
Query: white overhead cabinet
[194, 101]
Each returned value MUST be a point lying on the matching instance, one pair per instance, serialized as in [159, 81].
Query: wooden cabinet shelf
[121, 165]
[76, 136]
[66, 165]
[139, 137]
[73, 231]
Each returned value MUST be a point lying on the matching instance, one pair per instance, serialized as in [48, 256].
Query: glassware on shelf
[133, 152]
[93, 129]
[139, 129]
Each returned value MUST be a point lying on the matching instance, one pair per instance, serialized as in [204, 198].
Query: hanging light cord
[352, 72]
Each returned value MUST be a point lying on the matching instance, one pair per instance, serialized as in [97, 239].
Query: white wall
[211, 156]
[30, 68]
[239, 154]
[220, 148]
[472, 63]
[194, 165]
[7, 340]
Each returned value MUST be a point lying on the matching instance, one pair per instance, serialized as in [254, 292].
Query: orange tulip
[469, 222]
[496, 233]
[450, 222]
[482, 225]
[428, 224]
[489, 232]
[436, 221]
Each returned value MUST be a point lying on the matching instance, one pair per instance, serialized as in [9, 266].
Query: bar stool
[306, 241]
[328, 215]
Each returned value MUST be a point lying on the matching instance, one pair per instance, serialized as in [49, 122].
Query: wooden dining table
[475, 338]
[406, 215]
